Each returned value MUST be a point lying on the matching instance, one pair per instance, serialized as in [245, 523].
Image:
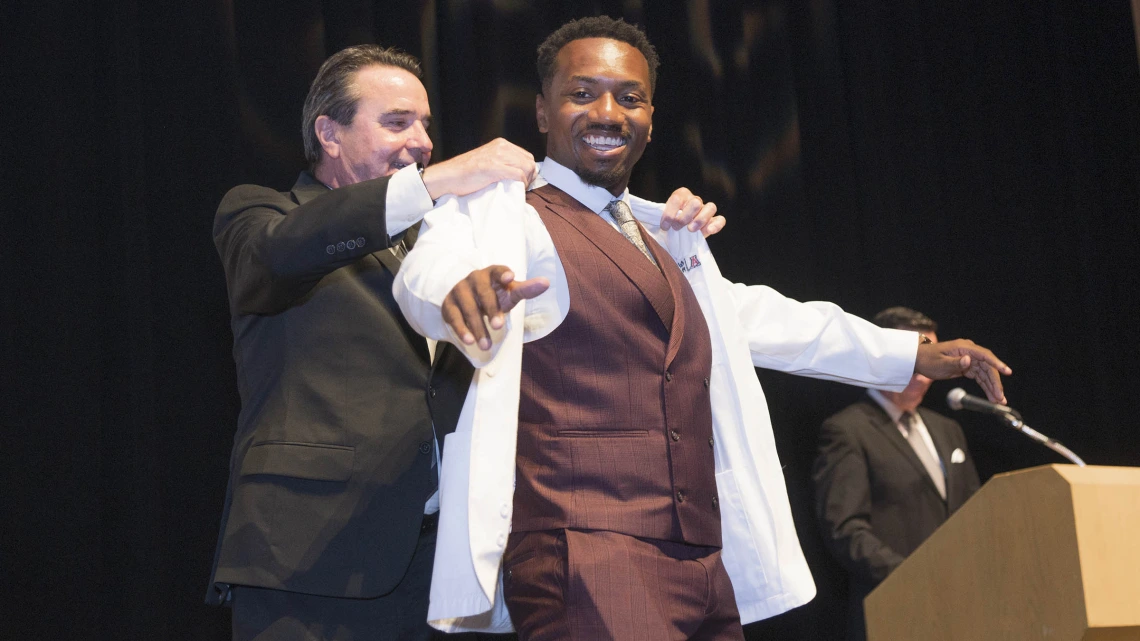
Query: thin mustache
[614, 129]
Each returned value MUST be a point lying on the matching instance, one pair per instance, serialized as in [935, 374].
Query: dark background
[979, 161]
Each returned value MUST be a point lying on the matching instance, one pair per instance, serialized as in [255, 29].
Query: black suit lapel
[890, 431]
[388, 258]
[391, 263]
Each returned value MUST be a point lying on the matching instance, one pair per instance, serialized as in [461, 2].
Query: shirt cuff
[407, 200]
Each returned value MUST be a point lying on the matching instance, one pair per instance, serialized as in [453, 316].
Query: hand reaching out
[683, 209]
[963, 357]
[486, 295]
[474, 170]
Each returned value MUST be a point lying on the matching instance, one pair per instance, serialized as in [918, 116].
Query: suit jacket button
[340, 246]
[351, 244]
[360, 242]
[716, 503]
[431, 392]
[680, 496]
[668, 376]
[710, 442]
[425, 447]
[706, 381]
[331, 249]
[675, 435]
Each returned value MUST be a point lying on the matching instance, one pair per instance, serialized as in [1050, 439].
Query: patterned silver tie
[621, 214]
[933, 467]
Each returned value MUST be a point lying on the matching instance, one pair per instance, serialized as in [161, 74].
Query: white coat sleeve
[820, 340]
[445, 253]
[449, 247]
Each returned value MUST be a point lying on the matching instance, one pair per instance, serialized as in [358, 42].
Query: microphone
[958, 399]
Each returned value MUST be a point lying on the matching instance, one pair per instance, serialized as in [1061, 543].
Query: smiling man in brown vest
[615, 471]
[627, 396]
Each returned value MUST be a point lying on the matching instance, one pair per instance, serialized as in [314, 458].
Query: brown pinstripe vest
[615, 423]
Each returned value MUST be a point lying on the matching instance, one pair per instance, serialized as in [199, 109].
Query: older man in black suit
[328, 529]
[888, 474]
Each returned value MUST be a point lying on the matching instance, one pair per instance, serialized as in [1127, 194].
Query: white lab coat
[750, 326]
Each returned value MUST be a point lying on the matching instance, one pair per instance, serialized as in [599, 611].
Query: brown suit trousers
[573, 585]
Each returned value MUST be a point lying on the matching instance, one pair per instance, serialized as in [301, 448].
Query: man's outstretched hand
[962, 357]
[486, 295]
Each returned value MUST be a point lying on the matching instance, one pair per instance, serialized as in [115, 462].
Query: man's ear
[540, 114]
[650, 136]
[328, 134]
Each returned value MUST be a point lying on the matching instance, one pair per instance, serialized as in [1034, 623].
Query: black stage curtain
[977, 160]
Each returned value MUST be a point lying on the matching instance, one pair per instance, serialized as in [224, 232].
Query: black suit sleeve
[843, 506]
[274, 250]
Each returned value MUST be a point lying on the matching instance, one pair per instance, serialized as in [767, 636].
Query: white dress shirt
[406, 201]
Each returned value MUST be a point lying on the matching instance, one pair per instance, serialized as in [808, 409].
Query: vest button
[706, 381]
[425, 447]
[716, 503]
[675, 435]
[431, 392]
[680, 496]
[668, 376]
[710, 442]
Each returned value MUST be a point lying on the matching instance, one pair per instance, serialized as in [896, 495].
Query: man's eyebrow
[590, 80]
[398, 112]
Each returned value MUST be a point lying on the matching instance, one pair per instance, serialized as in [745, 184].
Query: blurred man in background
[887, 475]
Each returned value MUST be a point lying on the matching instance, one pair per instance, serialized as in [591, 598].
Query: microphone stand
[1016, 423]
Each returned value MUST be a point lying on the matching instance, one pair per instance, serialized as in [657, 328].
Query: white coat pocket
[740, 554]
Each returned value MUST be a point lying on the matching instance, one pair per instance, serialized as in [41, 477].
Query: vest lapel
[644, 275]
[676, 286]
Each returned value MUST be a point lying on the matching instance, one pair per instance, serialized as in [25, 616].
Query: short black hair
[905, 318]
[595, 27]
[333, 92]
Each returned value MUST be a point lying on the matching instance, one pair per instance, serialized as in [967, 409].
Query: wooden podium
[1049, 553]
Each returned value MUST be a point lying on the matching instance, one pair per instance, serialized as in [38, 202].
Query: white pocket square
[958, 456]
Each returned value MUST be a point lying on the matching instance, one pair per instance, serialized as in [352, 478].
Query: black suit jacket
[875, 501]
[332, 459]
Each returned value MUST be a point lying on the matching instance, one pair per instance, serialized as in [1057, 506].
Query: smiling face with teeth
[597, 111]
[387, 133]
